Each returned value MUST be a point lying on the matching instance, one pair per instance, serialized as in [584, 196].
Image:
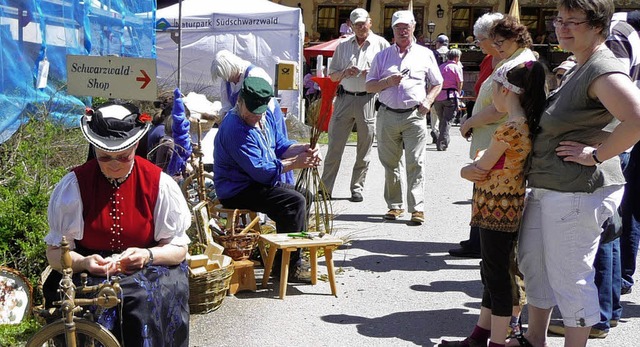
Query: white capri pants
[557, 246]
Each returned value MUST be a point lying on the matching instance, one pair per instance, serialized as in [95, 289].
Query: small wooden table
[287, 245]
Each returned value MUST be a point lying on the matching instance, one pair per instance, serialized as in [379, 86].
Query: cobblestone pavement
[397, 285]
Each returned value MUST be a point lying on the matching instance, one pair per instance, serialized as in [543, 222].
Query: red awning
[325, 48]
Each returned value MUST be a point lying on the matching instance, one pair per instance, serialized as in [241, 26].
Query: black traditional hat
[114, 127]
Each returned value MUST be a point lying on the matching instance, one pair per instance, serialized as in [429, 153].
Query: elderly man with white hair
[399, 74]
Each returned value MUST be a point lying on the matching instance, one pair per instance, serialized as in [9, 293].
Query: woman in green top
[575, 178]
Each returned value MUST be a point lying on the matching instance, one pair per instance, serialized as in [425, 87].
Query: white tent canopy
[259, 31]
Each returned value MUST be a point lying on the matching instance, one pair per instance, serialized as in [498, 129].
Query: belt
[356, 93]
[400, 110]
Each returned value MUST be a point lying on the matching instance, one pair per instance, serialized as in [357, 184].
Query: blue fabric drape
[52, 30]
[180, 128]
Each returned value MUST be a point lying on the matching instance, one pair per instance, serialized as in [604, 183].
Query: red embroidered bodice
[116, 218]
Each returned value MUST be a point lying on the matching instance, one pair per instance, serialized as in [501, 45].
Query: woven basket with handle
[238, 245]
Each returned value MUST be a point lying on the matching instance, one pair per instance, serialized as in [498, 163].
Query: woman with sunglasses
[574, 177]
[123, 216]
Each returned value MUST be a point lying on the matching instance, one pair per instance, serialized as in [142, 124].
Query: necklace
[116, 182]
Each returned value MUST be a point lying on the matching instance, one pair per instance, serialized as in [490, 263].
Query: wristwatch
[150, 261]
[594, 155]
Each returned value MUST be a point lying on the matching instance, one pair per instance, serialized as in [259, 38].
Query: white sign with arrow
[112, 77]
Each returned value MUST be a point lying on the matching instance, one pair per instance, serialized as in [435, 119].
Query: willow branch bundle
[310, 183]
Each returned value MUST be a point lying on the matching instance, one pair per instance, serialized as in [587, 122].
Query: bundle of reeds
[319, 218]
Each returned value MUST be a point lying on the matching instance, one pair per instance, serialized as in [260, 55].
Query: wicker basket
[207, 291]
[238, 247]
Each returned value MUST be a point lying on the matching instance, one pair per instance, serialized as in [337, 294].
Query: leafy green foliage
[32, 161]
[15, 335]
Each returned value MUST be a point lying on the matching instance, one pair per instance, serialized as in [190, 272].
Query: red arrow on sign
[144, 79]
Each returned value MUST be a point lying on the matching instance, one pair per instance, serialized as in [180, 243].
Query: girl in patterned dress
[498, 195]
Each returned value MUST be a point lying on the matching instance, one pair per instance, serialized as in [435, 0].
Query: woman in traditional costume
[123, 216]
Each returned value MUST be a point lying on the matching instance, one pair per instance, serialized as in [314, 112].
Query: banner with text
[222, 22]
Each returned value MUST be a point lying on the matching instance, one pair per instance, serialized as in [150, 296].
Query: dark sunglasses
[121, 159]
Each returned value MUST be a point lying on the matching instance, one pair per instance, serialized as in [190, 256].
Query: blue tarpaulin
[36, 35]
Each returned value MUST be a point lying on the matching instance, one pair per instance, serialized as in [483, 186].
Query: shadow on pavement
[272, 291]
[630, 309]
[385, 263]
[470, 288]
[401, 247]
[417, 256]
[369, 218]
[418, 327]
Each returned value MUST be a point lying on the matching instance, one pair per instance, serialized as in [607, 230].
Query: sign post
[112, 77]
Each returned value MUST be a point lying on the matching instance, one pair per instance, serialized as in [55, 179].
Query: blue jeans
[630, 213]
[608, 281]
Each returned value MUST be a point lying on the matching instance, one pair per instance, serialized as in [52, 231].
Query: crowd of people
[551, 165]
[573, 189]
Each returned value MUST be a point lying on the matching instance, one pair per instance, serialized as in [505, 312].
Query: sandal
[515, 328]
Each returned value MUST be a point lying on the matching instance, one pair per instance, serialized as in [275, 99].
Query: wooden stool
[243, 277]
[287, 245]
[246, 216]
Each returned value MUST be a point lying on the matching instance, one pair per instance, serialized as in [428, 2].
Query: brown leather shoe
[417, 217]
[394, 214]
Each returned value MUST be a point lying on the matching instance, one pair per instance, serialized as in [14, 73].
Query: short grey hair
[485, 23]
[226, 64]
[454, 53]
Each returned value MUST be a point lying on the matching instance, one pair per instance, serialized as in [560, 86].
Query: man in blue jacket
[250, 156]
